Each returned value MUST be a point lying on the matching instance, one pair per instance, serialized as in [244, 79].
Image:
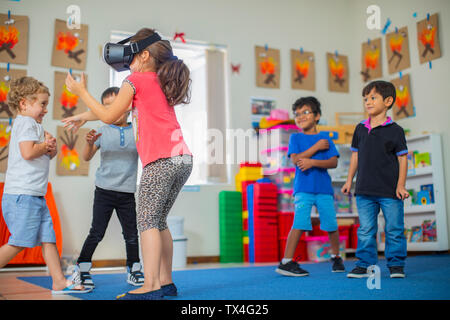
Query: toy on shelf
[319, 248]
[277, 117]
[277, 136]
[423, 197]
[342, 202]
[422, 160]
[341, 133]
[283, 178]
[411, 167]
[429, 231]
[416, 234]
[285, 200]
[430, 189]
[276, 158]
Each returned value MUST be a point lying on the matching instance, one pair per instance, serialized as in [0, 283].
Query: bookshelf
[415, 214]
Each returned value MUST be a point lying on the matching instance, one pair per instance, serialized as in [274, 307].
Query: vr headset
[119, 56]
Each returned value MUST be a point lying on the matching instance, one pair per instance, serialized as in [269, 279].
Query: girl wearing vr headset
[157, 83]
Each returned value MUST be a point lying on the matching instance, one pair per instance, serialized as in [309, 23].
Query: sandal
[72, 289]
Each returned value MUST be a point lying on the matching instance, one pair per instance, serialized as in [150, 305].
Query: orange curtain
[33, 255]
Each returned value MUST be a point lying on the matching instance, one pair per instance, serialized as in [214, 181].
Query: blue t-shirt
[313, 180]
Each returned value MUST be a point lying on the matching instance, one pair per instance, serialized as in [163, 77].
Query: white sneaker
[81, 274]
[135, 276]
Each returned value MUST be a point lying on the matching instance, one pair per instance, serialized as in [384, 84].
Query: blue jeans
[395, 248]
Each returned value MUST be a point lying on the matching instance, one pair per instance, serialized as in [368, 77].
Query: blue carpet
[427, 278]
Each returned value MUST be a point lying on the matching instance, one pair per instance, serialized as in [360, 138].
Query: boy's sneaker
[397, 272]
[135, 276]
[358, 272]
[291, 269]
[81, 274]
[338, 264]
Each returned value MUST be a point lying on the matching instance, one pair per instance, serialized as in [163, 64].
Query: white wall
[320, 26]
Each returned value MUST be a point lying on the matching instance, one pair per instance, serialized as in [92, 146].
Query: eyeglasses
[299, 114]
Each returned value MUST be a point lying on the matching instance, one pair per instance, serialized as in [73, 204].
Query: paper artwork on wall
[267, 67]
[371, 60]
[70, 146]
[5, 78]
[397, 50]
[403, 106]
[69, 46]
[338, 72]
[14, 39]
[303, 70]
[65, 103]
[427, 39]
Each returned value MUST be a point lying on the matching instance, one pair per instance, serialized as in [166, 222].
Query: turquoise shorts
[28, 220]
[325, 206]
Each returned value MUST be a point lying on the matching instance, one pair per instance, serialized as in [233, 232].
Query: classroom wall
[320, 26]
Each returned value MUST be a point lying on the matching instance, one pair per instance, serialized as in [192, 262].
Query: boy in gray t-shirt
[115, 187]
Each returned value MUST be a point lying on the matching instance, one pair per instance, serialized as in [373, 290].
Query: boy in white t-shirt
[23, 204]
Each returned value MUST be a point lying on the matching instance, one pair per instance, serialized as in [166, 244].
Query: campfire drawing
[402, 100]
[337, 70]
[371, 59]
[395, 44]
[427, 37]
[9, 37]
[70, 160]
[5, 136]
[4, 89]
[68, 102]
[68, 42]
[301, 70]
[267, 66]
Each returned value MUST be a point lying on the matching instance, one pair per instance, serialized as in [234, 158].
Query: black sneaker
[338, 264]
[397, 272]
[291, 269]
[358, 272]
[81, 274]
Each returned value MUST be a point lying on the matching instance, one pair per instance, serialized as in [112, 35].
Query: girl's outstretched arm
[106, 114]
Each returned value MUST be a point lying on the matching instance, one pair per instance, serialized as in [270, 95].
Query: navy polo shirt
[378, 149]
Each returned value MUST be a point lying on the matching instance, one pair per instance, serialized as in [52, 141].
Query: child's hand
[92, 136]
[323, 144]
[50, 143]
[304, 164]
[74, 86]
[346, 188]
[401, 193]
[73, 123]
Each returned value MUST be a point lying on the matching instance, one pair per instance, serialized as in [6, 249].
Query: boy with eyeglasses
[312, 153]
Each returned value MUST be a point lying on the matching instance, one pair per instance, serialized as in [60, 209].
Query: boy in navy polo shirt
[312, 153]
[379, 156]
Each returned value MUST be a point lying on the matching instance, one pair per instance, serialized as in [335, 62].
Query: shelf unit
[416, 214]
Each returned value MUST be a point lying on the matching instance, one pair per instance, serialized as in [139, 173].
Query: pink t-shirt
[156, 128]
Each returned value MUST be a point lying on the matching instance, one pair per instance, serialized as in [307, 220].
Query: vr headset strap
[136, 47]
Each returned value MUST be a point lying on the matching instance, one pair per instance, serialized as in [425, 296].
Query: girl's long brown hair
[173, 74]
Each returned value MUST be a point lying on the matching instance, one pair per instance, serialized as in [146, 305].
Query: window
[195, 118]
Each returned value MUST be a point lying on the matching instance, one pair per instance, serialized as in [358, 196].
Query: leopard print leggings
[161, 181]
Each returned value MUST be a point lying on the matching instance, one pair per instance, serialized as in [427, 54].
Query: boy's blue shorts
[28, 220]
[325, 206]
